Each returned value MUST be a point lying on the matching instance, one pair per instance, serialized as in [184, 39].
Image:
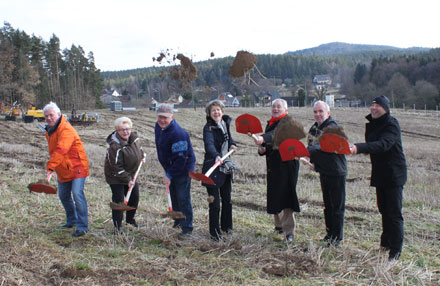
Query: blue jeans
[180, 192]
[76, 209]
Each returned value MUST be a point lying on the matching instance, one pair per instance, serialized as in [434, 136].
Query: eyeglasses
[124, 129]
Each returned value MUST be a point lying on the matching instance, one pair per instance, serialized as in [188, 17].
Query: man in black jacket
[388, 171]
[332, 170]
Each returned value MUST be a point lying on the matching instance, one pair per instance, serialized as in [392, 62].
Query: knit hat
[383, 101]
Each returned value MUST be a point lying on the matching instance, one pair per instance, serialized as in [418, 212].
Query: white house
[322, 79]
[330, 100]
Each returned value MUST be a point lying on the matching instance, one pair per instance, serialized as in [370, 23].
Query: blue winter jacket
[174, 150]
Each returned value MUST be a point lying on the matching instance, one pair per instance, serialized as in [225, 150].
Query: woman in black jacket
[122, 160]
[282, 177]
[218, 141]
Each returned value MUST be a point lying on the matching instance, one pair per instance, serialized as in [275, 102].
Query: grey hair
[123, 120]
[283, 102]
[52, 105]
[322, 102]
[212, 103]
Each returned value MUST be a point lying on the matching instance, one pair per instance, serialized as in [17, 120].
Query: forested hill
[339, 48]
[408, 76]
[298, 65]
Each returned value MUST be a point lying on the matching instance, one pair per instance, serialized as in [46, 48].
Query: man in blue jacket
[176, 155]
[332, 169]
[388, 171]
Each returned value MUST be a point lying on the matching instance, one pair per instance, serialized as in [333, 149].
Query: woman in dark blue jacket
[218, 141]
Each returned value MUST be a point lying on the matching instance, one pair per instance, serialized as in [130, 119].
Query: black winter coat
[122, 159]
[384, 144]
[329, 164]
[281, 176]
[213, 139]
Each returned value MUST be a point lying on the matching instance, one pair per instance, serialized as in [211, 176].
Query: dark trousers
[389, 202]
[180, 192]
[118, 193]
[222, 194]
[333, 193]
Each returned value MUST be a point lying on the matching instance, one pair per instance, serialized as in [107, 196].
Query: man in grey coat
[388, 172]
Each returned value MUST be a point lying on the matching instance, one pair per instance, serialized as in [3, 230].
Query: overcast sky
[126, 34]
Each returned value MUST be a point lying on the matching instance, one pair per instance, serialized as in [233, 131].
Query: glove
[49, 176]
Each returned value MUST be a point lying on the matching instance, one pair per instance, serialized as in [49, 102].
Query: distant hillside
[338, 48]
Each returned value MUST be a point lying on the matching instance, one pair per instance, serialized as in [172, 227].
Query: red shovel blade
[334, 143]
[247, 123]
[291, 148]
[42, 188]
[201, 177]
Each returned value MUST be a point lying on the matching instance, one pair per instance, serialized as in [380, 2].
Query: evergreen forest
[33, 71]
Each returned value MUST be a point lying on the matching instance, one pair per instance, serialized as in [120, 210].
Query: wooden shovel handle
[253, 136]
[305, 161]
[127, 197]
[218, 163]
[170, 205]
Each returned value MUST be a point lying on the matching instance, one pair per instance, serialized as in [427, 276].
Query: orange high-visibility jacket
[68, 157]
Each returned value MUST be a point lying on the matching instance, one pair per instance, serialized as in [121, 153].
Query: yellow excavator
[33, 114]
[12, 112]
[83, 118]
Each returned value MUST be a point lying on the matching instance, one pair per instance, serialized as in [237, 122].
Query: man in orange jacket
[69, 160]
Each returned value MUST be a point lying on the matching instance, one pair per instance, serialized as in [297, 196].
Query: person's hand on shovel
[233, 147]
[166, 180]
[306, 161]
[49, 175]
[353, 149]
[259, 140]
[218, 159]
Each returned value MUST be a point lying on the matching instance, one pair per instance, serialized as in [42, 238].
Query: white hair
[322, 102]
[283, 102]
[52, 105]
[123, 120]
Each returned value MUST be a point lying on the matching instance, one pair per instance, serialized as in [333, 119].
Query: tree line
[33, 71]
[409, 79]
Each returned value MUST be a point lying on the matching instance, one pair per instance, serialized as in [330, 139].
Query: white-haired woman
[218, 141]
[282, 177]
[123, 157]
